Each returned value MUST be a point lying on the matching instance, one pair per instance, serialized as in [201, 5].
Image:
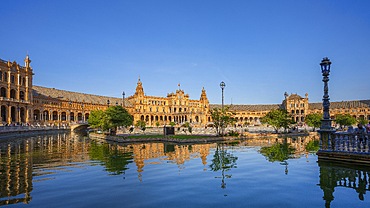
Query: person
[360, 129]
[361, 132]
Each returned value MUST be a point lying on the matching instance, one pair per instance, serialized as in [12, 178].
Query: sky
[259, 48]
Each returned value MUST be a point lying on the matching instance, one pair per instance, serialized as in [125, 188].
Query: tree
[141, 124]
[278, 118]
[345, 120]
[362, 121]
[118, 116]
[187, 125]
[157, 124]
[221, 118]
[98, 119]
[313, 120]
[172, 123]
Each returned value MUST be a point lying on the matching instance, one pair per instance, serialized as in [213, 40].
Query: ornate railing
[347, 142]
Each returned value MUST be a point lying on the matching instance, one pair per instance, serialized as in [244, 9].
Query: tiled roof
[39, 91]
[342, 104]
[248, 107]
[294, 97]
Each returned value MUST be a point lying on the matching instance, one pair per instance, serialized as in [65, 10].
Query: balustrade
[347, 142]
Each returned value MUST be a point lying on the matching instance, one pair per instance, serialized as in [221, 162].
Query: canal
[66, 170]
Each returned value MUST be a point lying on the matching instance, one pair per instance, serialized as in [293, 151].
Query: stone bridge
[79, 126]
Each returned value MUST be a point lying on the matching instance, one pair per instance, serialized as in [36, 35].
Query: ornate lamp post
[123, 99]
[325, 130]
[222, 85]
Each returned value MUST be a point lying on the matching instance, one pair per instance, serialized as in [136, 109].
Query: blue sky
[260, 48]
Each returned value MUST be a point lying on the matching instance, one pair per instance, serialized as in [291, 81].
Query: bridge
[79, 126]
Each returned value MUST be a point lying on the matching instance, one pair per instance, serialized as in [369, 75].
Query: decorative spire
[139, 88]
[27, 61]
[203, 96]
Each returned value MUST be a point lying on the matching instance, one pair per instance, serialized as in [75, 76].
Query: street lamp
[123, 99]
[108, 102]
[222, 85]
[325, 70]
[325, 130]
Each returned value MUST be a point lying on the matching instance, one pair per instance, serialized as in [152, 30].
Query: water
[70, 171]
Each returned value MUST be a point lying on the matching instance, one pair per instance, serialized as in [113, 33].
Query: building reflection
[142, 153]
[24, 161]
[335, 175]
[283, 149]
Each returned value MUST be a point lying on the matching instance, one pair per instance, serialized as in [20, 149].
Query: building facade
[22, 102]
[176, 107]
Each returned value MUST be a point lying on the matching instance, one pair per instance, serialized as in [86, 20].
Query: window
[21, 95]
[1, 76]
[12, 79]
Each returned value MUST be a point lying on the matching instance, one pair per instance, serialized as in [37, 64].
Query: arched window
[36, 115]
[1, 76]
[3, 113]
[3, 92]
[21, 95]
[55, 115]
[22, 115]
[12, 93]
[72, 116]
[64, 116]
[13, 113]
[46, 115]
[79, 117]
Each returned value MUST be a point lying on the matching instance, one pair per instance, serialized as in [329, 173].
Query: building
[176, 107]
[22, 102]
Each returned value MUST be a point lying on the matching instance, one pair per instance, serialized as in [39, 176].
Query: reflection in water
[113, 158]
[224, 161]
[333, 175]
[288, 148]
[28, 160]
[164, 152]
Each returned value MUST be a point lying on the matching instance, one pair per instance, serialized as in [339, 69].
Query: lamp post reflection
[224, 161]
